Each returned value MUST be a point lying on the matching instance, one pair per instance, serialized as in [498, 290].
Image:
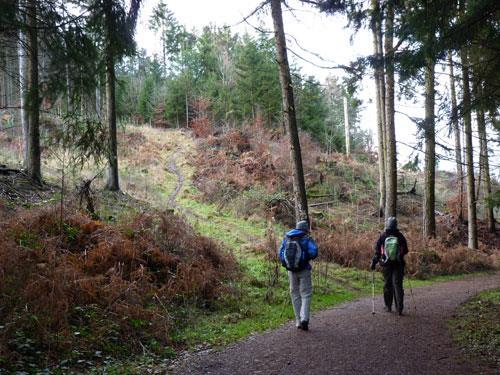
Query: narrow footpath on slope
[348, 340]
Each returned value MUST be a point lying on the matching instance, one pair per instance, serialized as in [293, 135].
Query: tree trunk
[469, 159]
[430, 152]
[458, 146]
[23, 92]
[391, 162]
[380, 100]
[187, 110]
[98, 98]
[484, 163]
[69, 91]
[346, 129]
[164, 45]
[113, 179]
[33, 103]
[299, 189]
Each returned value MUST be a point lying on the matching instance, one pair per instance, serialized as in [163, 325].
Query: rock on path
[348, 340]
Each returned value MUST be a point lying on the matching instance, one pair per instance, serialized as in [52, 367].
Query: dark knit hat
[391, 224]
[302, 225]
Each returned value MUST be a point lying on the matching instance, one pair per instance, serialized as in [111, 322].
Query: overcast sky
[324, 35]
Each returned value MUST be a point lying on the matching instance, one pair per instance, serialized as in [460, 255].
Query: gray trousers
[301, 293]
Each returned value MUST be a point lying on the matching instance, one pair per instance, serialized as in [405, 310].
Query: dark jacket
[306, 243]
[379, 246]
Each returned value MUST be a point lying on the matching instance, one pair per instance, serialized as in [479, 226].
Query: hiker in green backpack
[390, 250]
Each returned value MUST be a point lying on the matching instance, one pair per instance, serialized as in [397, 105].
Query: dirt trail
[349, 340]
[174, 169]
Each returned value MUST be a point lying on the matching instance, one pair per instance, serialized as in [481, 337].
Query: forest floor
[349, 340]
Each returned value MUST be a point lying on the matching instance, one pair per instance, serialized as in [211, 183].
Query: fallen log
[7, 171]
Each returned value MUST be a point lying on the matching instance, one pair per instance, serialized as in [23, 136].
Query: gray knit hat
[302, 225]
[391, 224]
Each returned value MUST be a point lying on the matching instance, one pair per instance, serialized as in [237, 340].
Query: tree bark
[299, 189]
[391, 162]
[380, 99]
[458, 146]
[430, 152]
[469, 159]
[33, 103]
[113, 176]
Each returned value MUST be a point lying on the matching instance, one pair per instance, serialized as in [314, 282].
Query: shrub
[257, 158]
[86, 286]
[344, 245]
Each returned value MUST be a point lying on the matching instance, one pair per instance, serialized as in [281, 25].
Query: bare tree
[299, 189]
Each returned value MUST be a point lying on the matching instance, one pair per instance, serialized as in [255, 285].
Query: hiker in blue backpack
[296, 250]
[390, 250]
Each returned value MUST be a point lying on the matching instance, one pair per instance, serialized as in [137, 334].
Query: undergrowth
[82, 290]
[476, 327]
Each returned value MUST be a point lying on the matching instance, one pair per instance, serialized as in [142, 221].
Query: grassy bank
[476, 327]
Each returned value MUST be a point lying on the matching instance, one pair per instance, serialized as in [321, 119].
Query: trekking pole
[373, 292]
[411, 291]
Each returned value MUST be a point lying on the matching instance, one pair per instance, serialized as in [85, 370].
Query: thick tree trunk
[299, 189]
[458, 146]
[113, 179]
[469, 159]
[380, 99]
[430, 153]
[33, 103]
[391, 162]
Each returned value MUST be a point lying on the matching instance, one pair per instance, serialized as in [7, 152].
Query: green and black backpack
[391, 249]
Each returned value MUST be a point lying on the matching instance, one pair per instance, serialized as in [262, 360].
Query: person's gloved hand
[374, 263]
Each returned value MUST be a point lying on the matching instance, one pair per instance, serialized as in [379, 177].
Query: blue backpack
[294, 257]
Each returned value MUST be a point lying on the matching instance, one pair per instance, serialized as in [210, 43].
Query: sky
[324, 35]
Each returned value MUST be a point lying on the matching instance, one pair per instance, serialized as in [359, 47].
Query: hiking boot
[304, 325]
[387, 308]
[400, 312]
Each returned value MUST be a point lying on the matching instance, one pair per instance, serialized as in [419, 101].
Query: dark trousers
[393, 284]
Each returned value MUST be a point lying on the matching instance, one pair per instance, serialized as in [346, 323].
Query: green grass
[476, 327]
[212, 221]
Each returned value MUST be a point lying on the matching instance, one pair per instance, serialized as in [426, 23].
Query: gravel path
[349, 340]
